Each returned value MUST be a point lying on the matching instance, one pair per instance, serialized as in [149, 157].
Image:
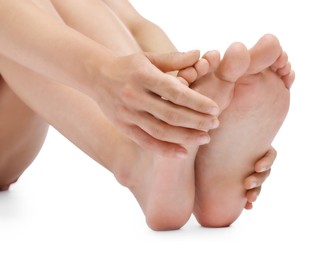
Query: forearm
[37, 40]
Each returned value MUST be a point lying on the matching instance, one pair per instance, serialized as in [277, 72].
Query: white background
[67, 207]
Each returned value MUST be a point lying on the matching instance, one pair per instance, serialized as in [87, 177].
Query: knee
[17, 156]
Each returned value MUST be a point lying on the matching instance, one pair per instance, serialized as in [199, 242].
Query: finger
[171, 89]
[167, 133]
[147, 142]
[179, 116]
[183, 81]
[174, 60]
[191, 74]
[168, 112]
[266, 162]
[256, 179]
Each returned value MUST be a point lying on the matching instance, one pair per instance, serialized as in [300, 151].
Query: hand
[152, 108]
[254, 182]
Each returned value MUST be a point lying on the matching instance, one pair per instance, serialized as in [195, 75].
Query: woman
[100, 82]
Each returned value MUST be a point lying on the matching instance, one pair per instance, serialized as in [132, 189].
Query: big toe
[234, 64]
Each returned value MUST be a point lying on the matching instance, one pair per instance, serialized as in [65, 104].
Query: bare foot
[248, 126]
[165, 187]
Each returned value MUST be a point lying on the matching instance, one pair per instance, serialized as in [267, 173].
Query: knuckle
[122, 113]
[127, 94]
[202, 125]
[140, 72]
[172, 117]
[120, 110]
[175, 93]
[204, 122]
[136, 60]
[191, 136]
[179, 95]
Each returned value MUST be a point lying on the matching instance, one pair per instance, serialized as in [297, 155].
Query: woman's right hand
[152, 108]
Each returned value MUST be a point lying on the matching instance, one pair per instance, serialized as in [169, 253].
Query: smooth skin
[258, 80]
[49, 47]
[164, 187]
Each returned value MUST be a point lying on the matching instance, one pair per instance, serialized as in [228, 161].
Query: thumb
[171, 61]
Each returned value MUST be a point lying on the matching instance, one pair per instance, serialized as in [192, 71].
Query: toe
[264, 53]
[280, 62]
[285, 70]
[202, 67]
[213, 58]
[234, 64]
[289, 79]
[188, 74]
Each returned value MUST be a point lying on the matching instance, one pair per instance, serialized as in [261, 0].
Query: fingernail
[214, 123]
[203, 139]
[214, 111]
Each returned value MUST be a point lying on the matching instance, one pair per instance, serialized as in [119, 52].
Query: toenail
[253, 185]
[264, 169]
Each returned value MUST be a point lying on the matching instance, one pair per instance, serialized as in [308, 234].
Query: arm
[46, 45]
[35, 39]
[151, 38]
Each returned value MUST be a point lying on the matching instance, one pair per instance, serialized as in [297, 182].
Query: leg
[248, 126]
[22, 133]
[163, 187]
